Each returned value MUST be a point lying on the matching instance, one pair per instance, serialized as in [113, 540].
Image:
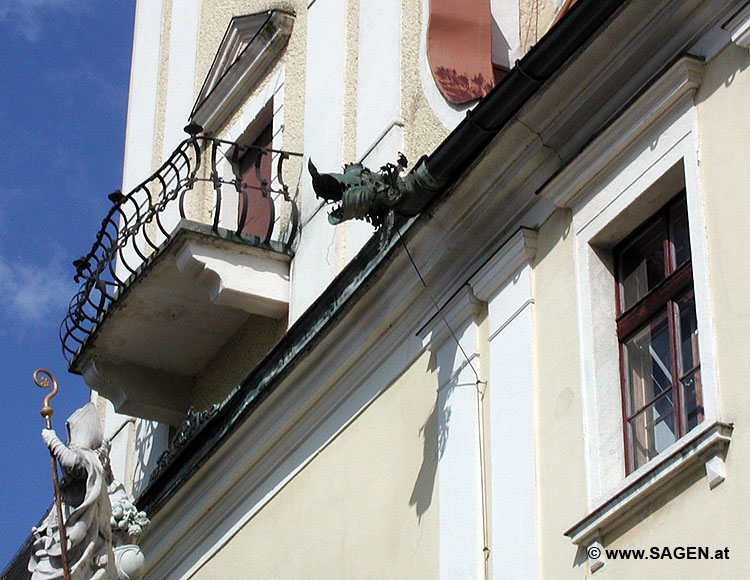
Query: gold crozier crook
[43, 378]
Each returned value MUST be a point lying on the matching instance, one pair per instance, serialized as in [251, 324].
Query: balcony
[178, 266]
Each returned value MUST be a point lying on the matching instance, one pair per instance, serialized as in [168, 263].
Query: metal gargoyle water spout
[359, 193]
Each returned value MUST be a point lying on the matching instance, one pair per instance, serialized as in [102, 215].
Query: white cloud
[27, 15]
[32, 292]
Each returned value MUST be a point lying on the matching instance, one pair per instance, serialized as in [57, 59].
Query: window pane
[642, 265]
[652, 431]
[693, 401]
[680, 233]
[647, 364]
[687, 333]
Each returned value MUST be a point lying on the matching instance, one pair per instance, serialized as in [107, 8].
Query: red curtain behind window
[459, 48]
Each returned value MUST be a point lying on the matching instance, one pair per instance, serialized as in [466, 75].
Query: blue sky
[64, 66]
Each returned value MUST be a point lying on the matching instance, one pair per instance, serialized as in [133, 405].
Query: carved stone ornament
[99, 545]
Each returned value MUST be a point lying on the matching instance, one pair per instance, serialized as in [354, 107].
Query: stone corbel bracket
[140, 391]
[249, 279]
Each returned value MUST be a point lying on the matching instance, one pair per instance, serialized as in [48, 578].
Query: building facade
[531, 368]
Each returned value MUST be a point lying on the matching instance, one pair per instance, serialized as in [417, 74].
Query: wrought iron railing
[140, 222]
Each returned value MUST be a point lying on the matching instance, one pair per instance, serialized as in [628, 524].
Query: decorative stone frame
[641, 161]
[251, 46]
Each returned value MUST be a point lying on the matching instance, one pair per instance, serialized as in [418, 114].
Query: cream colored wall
[536, 17]
[724, 126]
[242, 352]
[692, 514]
[161, 97]
[423, 131]
[214, 19]
[560, 463]
[352, 512]
[349, 114]
[695, 515]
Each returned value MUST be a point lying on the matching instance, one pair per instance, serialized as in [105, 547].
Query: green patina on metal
[359, 193]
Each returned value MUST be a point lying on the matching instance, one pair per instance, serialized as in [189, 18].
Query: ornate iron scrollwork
[188, 430]
[138, 223]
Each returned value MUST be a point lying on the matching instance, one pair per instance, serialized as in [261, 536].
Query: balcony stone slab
[178, 310]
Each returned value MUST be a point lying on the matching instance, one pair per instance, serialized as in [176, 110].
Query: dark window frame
[660, 300]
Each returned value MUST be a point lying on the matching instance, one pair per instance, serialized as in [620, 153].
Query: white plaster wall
[315, 263]
[144, 73]
[379, 74]
[506, 37]
[386, 149]
[135, 445]
[504, 283]
[151, 440]
[324, 93]
[459, 475]
[511, 394]
[452, 338]
[183, 42]
[114, 425]
[142, 97]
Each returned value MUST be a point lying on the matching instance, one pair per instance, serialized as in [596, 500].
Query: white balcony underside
[174, 317]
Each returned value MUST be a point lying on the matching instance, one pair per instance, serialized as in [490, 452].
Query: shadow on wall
[722, 71]
[434, 434]
[151, 438]
[435, 430]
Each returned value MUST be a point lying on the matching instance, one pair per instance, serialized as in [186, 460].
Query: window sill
[707, 445]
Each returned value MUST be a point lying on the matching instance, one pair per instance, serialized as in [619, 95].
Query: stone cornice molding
[518, 251]
[739, 27]
[678, 85]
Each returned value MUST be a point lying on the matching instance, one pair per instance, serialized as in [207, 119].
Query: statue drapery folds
[88, 490]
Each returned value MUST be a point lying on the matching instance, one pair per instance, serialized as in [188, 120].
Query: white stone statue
[88, 492]
[127, 525]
